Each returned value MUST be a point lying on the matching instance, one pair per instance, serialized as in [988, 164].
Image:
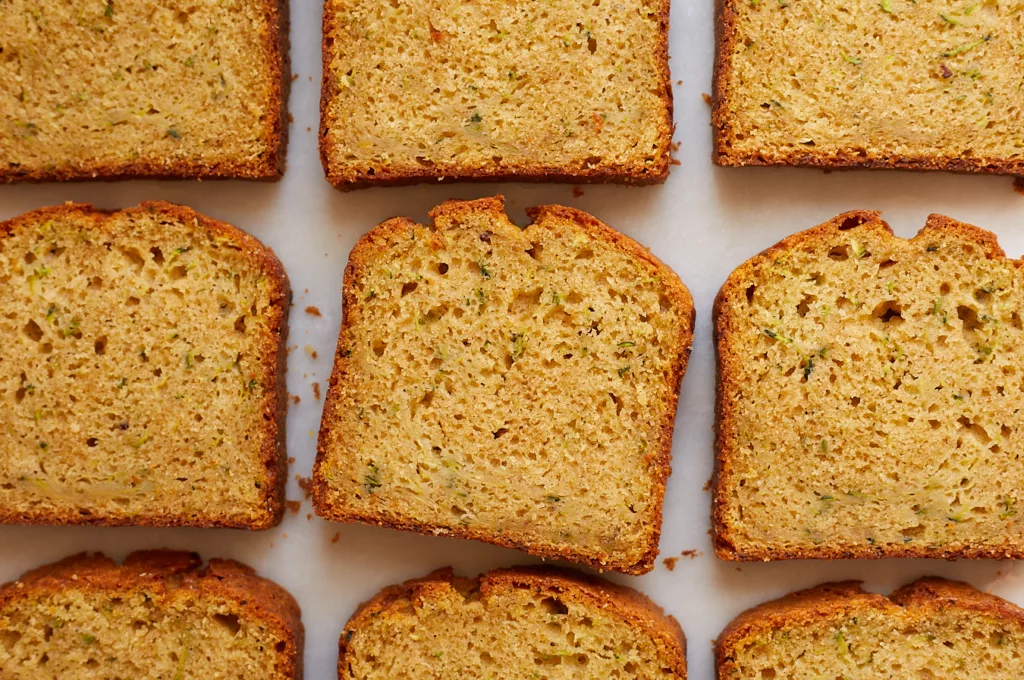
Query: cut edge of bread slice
[845, 598]
[723, 327]
[270, 168]
[566, 584]
[275, 403]
[164, 571]
[375, 242]
[722, 153]
[639, 175]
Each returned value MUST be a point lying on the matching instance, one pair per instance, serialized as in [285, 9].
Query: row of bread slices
[868, 398]
[203, 92]
[165, 614]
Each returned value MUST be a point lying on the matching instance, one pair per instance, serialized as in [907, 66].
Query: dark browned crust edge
[660, 455]
[832, 600]
[619, 173]
[722, 129]
[269, 168]
[727, 362]
[589, 591]
[275, 403]
[159, 572]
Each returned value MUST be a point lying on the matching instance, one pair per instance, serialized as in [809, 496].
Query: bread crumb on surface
[295, 399]
[316, 391]
[577, 192]
[312, 310]
[670, 562]
[706, 97]
[336, 537]
[294, 506]
[691, 553]
[306, 484]
[291, 460]
[311, 352]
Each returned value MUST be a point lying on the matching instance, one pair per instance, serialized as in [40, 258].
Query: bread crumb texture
[922, 84]
[415, 90]
[511, 624]
[141, 88]
[931, 628]
[870, 394]
[160, 615]
[511, 385]
[141, 373]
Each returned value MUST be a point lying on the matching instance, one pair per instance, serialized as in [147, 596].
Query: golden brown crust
[582, 174]
[269, 168]
[592, 592]
[839, 600]
[729, 366]
[376, 241]
[161, 572]
[723, 154]
[275, 403]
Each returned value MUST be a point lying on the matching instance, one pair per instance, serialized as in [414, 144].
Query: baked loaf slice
[142, 372]
[932, 628]
[160, 615]
[511, 623]
[868, 83]
[516, 386]
[430, 90]
[869, 396]
[142, 88]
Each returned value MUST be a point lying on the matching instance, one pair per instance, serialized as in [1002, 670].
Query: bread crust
[374, 242]
[723, 133]
[728, 367]
[269, 168]
[640, 174]
[624, 603]
[164, 575]
[274, 365]
[926, 595]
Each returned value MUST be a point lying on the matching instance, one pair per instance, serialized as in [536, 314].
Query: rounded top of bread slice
[511, 623]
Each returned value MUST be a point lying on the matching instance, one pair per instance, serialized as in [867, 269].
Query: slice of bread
[932, 628]
[427, 90]
[869, 83]
[143, 370]
[869, 396]
[160, 615]
[516, 386]
[511, 623]
[114, 89]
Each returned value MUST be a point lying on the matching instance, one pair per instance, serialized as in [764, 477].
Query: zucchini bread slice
[432, 90]
[523, 622]
[142, 375]
[113, 89]
[869, 396]
[918, 84]
[161, 614]
[932, 628]
[516, 386]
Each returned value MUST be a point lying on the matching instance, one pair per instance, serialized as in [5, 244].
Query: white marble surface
[703, 222]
